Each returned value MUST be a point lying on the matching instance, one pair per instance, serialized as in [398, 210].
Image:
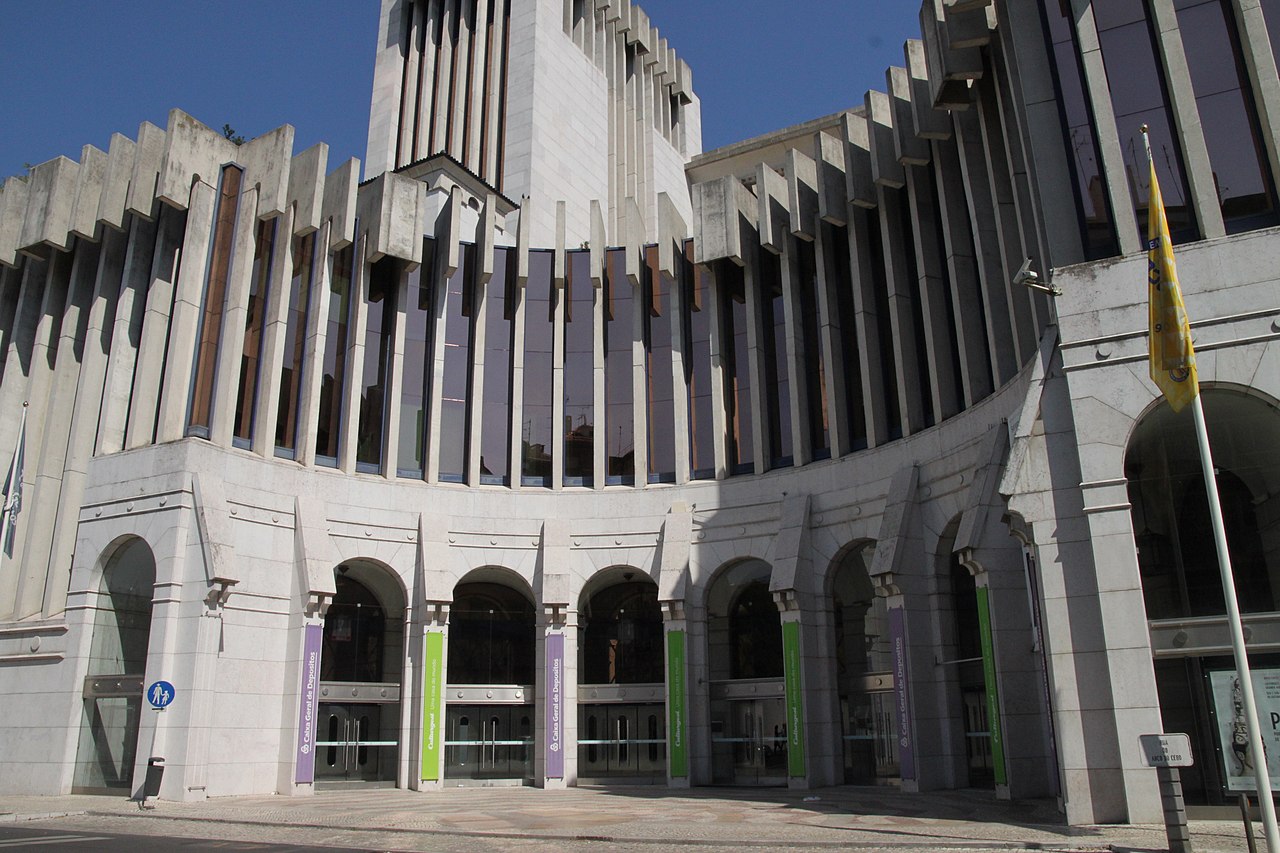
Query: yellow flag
[1173, 359]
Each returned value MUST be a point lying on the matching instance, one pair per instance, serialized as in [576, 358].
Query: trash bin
[155, 772]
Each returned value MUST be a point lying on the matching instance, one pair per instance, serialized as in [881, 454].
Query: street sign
[160, 694]
[1168, 750]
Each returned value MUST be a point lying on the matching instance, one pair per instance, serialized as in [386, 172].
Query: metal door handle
[355, 746]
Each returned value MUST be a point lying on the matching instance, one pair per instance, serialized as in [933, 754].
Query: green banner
[677, 725]
[989, 677]
[795, 698]
[432, 700]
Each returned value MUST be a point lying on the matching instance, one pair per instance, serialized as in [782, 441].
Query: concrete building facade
[559, 451]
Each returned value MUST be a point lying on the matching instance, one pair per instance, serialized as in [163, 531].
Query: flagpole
[1261, 776]
[10, 486]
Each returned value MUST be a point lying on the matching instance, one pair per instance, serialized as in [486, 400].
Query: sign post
[1166, 753]
[160, 695]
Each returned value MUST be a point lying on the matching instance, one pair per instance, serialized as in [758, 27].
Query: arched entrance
[108, 746]
[1181, 584]
[489, 714]
[864, 672]
[621, 711]
[748, 713]
[361, 667]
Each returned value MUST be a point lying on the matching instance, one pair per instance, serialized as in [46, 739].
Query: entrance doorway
[358, 725]
[622, 720]
[489, 712]
[356, 743]
[749, 737]
[748, 713]
[112, 695]
[864, 672]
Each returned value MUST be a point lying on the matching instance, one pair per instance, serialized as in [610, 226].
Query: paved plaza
[627, 819]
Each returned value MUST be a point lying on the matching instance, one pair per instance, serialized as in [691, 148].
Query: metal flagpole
[1261, 776]
[1173, 369]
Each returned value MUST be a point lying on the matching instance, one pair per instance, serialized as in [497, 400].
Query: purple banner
[902, 693]
[306, 771]
[555, 706]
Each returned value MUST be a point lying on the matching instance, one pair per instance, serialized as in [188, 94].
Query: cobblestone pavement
[623, 819]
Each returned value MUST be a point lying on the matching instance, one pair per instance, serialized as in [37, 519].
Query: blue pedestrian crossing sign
[160, 694]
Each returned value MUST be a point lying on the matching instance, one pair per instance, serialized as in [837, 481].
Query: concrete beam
[306, 188]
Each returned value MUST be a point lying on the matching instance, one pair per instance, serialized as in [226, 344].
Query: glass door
[749, 741]
[352, 745]
[622, 742]
[109, 735]
[870, 737]
[489, 743]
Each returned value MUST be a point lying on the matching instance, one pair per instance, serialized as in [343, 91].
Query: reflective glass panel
[495, 417]
[334, 367]
[737, 369]
[294, 339]
[697, 366]
[454, 388]
[380, 328]
[661, 394]
[251, 352]
[536, 433]
[619, 338]
[215, 296]
[579, 371]
[1224, 97]
[418, 327]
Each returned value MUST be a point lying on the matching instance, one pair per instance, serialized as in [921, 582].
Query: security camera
[1026, 275]
[1030, 278]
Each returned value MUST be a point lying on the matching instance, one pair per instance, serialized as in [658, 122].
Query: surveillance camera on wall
[1030, 278]
[1026, 275]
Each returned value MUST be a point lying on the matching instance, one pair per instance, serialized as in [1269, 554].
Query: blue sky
[75, 71]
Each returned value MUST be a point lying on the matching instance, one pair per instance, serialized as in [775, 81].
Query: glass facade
[619, 338]
[334, 367]
[659, 293]
[1139, 96]
[1228, 115]
[455, 383]
[1092, 201]
[380, 328]
[777, 380]
[815, 373]
[295, 337]
[697, 366]
[251, 353]
[215, 295]
[537, 427]
[579, 371]
[735, 359]
[500, 299]
[418, 330]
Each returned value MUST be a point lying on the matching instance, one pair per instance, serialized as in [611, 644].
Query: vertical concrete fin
[13, 207]
[984, 492]
[486, 227]
[672, 232]
[635, 241]
[448, 231]
[84, 214]
[192, 151]
[561, 259]
[790, 556]
[213, 521]
[115, 182]
[599, 244]
[314, 551]
[51, 198]
[340, 204]
[674, 546]
[266, 159]
[524, 241]
[772, 197]
[802, 194]
[892, 548]
[551, 581]
[306, 188]
[148, 157]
